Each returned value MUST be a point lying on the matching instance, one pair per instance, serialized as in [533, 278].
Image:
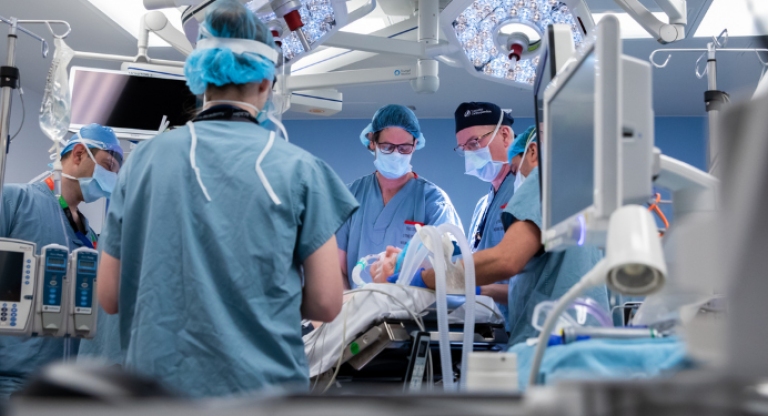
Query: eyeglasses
[403, 149]
[471, 145]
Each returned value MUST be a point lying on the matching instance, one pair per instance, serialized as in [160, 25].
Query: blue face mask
[393, 165]
[480, 163]
[100, 185]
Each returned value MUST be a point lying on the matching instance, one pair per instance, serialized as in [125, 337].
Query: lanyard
[225, 112]
[90, 240]
[481, 227]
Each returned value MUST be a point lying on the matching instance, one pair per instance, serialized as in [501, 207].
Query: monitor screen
[11, 272]
[123, 101]
[571, 143]
[88, 264]
[56, 262]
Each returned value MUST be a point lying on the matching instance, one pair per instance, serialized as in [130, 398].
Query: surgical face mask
[480, 164]
[393, 165]
[99, 185]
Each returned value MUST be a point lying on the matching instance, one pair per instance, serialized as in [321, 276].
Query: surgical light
[308, 21]
[502, 39]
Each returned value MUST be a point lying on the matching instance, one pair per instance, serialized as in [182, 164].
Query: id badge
[409, 230]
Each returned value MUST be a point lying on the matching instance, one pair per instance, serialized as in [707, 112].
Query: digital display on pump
[88, 264]
[11, 274]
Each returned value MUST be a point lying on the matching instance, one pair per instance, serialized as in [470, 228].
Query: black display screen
[88, 264]
[124, 101]
[58, 262]
[11, 270]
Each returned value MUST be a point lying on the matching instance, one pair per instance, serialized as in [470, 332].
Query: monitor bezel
[120, 132]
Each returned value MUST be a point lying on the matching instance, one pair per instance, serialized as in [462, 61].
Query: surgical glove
[385, 266]
[417, 281]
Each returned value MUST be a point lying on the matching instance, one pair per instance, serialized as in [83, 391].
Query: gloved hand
[417, 281]
[385, 266]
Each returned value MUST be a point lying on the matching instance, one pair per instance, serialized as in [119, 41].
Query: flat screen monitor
[581, 178]
[11, 272]
[571, 141]
[132, 105]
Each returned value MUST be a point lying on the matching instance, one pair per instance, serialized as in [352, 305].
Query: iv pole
[713, 99]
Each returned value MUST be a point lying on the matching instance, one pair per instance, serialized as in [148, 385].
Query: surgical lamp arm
[354, 77]
[157, 23]
[662, 32]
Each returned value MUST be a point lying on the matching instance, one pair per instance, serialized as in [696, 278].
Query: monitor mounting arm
[665, 33]
[157, 23]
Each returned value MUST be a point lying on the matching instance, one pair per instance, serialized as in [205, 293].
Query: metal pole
[5, 106]
[713, 145]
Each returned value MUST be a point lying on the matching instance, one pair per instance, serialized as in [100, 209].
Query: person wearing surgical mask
[393, 199]
[538, 275]
[220, 235]
[32, 212]
[483, 135]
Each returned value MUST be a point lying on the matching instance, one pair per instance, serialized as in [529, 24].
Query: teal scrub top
[31, 212]
[486, 225]
[548, 275]
[376, 226]
[210, 292]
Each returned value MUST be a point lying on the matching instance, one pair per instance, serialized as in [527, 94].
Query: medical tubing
[438, 261]
[40, 177]
[469, 303]
[260, 172]
[192, 149]
[414, 256]
[595, 310]
[594, 276]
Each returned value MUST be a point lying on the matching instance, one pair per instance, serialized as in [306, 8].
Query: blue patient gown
[32, 213]
[210, 291]
[548, 275]
[376, 226]
[486, 222]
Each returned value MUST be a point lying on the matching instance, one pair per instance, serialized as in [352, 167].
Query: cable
[23, 110]
[655, 208]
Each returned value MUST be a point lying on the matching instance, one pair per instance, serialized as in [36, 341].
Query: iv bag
[56, 111]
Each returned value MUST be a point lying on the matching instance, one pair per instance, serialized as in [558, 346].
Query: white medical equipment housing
[52, 300]
[83, 264]
[484, 30]
[597, 150]
[111, 98]
[18, 267]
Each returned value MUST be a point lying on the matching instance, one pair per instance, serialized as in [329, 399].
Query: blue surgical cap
[96, 136]
[394, 115]
[229, 19]
[518, 146]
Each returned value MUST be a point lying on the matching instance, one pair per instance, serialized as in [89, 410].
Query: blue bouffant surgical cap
[96, 136]
[222, 66]
[394, 115]
[518, 146]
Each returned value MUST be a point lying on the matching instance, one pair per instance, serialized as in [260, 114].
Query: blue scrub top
[376, 226]
[31, 212]
[490, 207]
[210, 292]
[548, 275]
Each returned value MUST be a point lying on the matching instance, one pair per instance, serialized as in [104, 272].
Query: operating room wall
[337, 142]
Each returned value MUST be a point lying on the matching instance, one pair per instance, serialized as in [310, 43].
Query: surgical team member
[483, 134]
[538, 275]
[210, 226]
[394, 198]
[31, 212]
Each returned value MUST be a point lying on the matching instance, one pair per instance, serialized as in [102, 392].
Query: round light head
[635, 279]
[635, 261]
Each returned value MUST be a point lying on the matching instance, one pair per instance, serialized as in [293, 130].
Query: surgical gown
[210, 291]
[376, 226]
[548, 275]
[486, 221]
[31, 212]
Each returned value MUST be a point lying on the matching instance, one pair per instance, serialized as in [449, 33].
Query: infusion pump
[51, 294]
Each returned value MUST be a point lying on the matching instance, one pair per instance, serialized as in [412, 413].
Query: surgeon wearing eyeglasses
[483, 135]
[393, 199]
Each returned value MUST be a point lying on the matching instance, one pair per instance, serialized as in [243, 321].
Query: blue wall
[337, 142]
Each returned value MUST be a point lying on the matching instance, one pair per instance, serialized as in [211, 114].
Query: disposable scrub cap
[234, 47]
[394, 115]
[96, 136]
[521, 141]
